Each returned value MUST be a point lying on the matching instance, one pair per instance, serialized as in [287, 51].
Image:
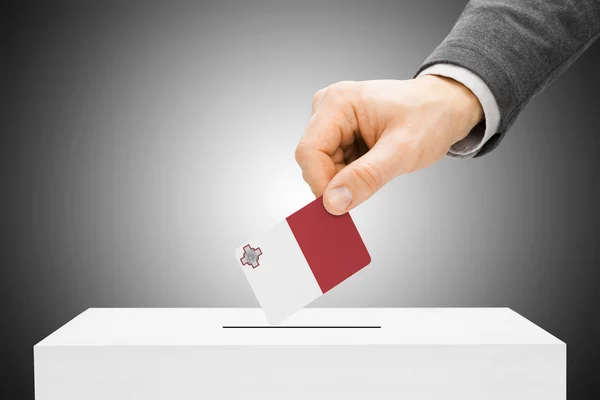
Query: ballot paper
[300, 259]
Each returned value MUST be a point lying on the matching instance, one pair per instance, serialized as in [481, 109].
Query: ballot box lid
[310, 326]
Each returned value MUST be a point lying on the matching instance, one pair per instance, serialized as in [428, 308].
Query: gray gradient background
[141, 143]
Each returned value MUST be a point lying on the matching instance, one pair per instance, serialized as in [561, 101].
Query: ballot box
[344, 353]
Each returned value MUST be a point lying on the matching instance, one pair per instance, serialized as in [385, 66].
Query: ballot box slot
[302, 327]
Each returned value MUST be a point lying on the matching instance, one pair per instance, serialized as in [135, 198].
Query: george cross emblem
[251, 256]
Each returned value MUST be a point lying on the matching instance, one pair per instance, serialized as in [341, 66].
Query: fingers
[317, 168]
[331, 128]
[362, 178]
[317, 99]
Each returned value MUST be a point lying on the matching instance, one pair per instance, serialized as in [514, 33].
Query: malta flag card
[300, 259]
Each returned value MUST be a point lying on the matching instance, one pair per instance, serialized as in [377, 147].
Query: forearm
[518, 47]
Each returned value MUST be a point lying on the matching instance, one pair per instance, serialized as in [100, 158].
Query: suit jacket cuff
[472, 144]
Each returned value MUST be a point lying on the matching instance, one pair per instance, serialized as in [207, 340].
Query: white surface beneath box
[444, 353]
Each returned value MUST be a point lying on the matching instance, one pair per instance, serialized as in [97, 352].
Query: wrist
[464, 106]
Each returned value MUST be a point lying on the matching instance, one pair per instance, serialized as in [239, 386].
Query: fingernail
[340, 198]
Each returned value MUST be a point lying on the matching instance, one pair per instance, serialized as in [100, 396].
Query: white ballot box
[218, 353]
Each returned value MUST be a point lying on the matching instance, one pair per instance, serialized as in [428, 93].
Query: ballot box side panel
[419, 372]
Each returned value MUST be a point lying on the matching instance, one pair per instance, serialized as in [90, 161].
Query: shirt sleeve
[470, 145]
[518, 48]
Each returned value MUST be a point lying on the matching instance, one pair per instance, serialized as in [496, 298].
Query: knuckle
[340, 88]
[337, 103]
[318, 96]
[305, 176]
[341, 95]
[334, 125]
[300, 153]
[369, 175]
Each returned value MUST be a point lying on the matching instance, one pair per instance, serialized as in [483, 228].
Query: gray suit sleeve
[518, 47]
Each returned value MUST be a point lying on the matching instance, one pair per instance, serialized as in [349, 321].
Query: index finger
[320, 148]
[318, 168]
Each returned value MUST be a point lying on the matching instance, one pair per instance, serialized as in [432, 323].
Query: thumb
[358, 181]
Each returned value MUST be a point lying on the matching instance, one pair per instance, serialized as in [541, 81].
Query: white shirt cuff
[470, 145]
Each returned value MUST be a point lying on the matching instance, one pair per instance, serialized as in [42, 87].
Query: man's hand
[364, 134]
